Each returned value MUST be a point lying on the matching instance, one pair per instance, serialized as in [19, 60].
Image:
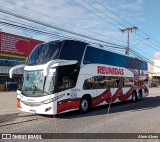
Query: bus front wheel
[84, 105]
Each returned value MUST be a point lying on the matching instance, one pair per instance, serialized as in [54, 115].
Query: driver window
[65, 82]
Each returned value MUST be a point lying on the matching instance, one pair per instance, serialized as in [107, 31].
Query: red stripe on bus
[115, 96]
[125, 96]
[68, 104]
[105, 96]
[99, 99]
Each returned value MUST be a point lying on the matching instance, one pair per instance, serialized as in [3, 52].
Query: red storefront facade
[16, 45]
[14, 50]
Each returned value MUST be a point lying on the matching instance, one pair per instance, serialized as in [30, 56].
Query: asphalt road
[139, 117]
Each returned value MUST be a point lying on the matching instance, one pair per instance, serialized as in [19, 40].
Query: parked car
[153, 85]
[11, 86]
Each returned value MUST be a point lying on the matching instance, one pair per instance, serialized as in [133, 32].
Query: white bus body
[77, 82]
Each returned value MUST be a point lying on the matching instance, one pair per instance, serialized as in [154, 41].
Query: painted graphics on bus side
[103, 91]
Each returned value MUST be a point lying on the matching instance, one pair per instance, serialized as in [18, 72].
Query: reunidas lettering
[110, 70]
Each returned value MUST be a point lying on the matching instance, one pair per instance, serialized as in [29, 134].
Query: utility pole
[128, 31]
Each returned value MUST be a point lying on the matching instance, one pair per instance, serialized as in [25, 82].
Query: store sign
[13, 44]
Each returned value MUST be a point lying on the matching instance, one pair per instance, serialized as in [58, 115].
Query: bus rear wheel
[134, 97]
[84, 105]
[140, 95]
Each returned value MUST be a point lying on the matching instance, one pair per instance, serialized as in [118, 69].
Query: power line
[113, 12]
[52, 34]
[51, 26]
[96, 14]
[149, 36]
[128, 23]
[42, 29]
[29, 25]
[150, 42]
[118, 22]
[140, 49]
[42, 32]
[29, 9]
[101, 18]
[61, 21]
[145, 43]
[127, 51]
[103, 13]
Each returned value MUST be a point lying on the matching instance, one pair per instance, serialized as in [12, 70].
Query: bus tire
[140, 95]
[84, 105]
[134, 97]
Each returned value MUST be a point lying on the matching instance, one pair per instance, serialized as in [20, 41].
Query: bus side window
[97, 82]
[128, 82]
[103, 82]
[88, 83]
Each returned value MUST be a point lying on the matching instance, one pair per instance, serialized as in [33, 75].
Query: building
[154, 69]
[14, 50]
[157, 55]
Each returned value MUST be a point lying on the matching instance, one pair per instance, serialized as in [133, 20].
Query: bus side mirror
[15, 68]
[55, 63]
[48, 66]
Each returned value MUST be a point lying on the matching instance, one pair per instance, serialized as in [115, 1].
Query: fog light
[48, 109]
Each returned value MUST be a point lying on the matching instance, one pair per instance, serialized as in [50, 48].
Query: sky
[93, 18]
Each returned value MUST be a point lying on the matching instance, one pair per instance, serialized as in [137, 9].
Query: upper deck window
[98, 56]
[72, 50]
[66, 50]
[44, 53]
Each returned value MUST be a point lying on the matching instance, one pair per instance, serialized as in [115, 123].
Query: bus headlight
[48, 109]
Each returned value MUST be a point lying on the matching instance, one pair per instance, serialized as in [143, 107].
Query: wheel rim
[84, 105]
[140, 96]
[133, 97]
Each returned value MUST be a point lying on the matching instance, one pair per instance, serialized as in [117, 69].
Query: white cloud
[68, 11]
[140, 1]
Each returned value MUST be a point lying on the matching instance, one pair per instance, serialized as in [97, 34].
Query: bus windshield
[35, 84]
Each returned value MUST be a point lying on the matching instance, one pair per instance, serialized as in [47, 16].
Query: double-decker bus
[66, 75]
